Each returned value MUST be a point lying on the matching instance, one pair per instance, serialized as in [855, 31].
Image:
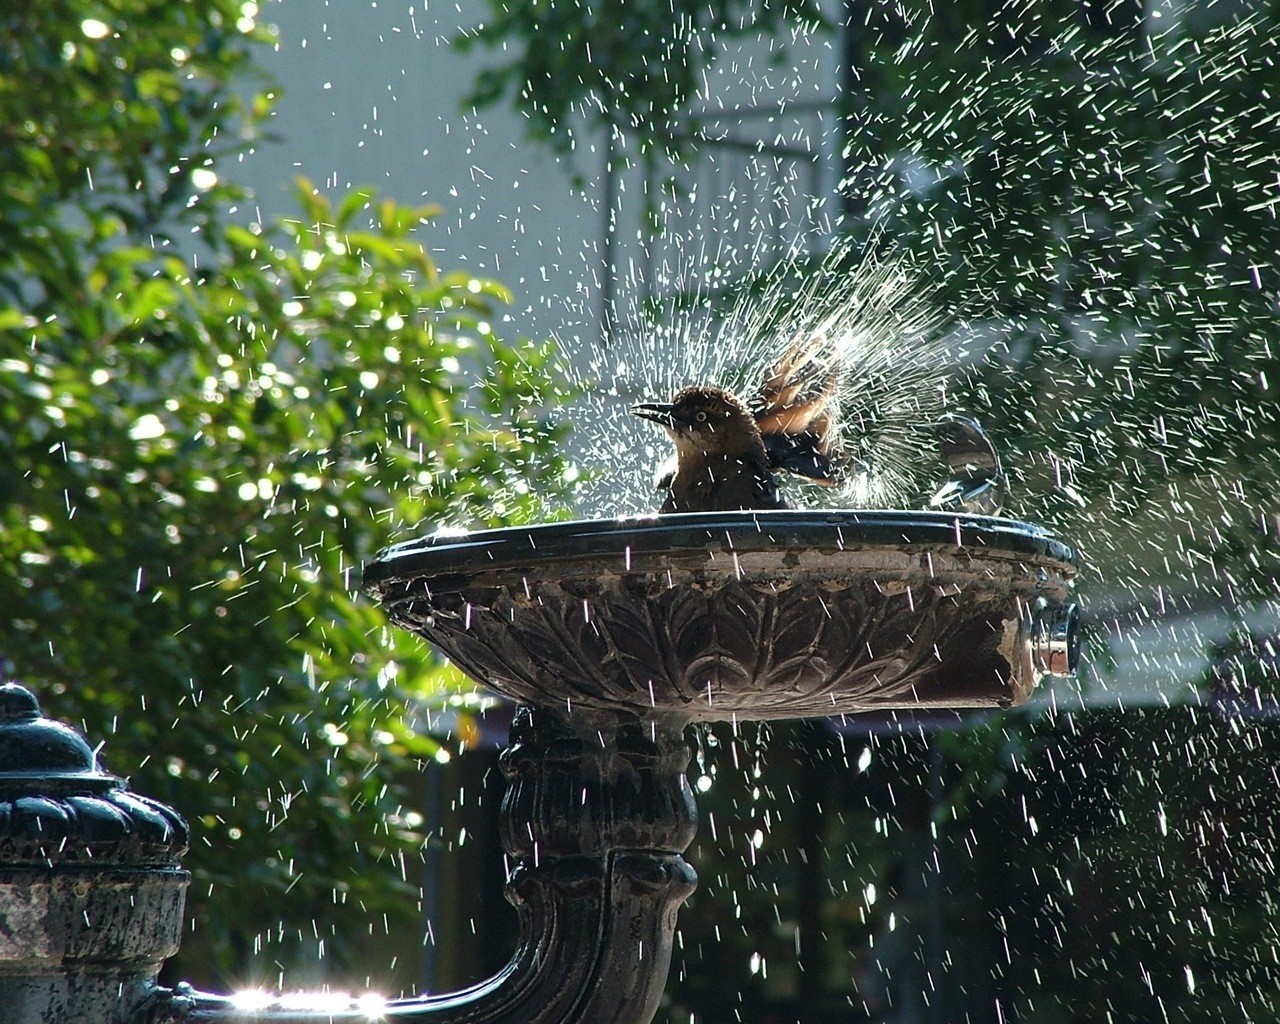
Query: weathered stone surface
[91, 892]
[82, 919]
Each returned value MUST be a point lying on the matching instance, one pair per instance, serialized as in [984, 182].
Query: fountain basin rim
[743, 615]
[791, 529]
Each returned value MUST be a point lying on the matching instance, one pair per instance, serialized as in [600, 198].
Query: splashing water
[875, 322]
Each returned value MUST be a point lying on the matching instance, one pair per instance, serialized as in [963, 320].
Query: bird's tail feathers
[797, 413]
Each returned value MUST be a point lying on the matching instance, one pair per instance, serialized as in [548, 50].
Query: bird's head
[706, 420]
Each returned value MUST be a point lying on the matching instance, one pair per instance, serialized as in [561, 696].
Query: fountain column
[596, 816]
[597, 813]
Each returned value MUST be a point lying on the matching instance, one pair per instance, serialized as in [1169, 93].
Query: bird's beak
[658, 412]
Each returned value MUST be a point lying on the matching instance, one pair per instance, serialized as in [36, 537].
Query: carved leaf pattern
[636, 620]
[716, 645]
[803, 640]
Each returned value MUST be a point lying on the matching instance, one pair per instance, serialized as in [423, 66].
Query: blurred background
[224, 388]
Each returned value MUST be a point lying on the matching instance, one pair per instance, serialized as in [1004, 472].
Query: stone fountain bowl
[747, 615]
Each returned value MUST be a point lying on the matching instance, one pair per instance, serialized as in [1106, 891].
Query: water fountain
[613, 636]
[616, 635]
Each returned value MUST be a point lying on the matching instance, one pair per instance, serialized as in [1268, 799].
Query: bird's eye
[701, 417]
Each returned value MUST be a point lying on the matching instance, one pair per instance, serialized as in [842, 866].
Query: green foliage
[626, 67]
[205, 430]
[1096, 190]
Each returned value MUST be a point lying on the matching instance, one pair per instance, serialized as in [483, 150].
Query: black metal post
[431, 874]
[609, 242]
[91, 894]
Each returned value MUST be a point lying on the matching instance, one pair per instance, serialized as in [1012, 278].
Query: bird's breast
[723, 483]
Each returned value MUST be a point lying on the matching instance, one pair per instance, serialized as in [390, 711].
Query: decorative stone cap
[57, 807]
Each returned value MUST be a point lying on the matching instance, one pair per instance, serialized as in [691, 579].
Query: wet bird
[727, 450]
[976, 481]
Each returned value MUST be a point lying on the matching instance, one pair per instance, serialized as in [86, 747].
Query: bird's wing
[800, 454]
[796, 394]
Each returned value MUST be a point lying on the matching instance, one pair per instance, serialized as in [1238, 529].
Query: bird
[727, 450]
[976, 481]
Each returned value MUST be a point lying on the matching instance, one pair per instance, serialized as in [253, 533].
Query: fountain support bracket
[596, 815]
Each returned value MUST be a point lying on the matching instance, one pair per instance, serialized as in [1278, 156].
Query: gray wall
[372, 95]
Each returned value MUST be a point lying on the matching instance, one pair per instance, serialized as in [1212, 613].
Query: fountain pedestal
[634, 628]
[597, 814]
